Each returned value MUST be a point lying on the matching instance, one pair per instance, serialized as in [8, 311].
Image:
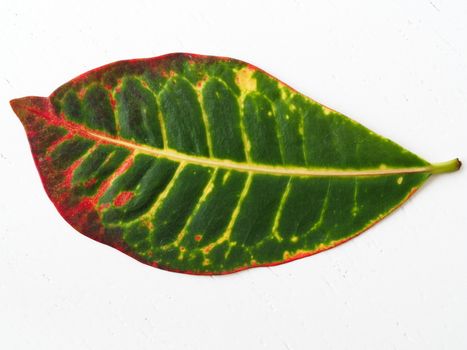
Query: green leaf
[209, 165]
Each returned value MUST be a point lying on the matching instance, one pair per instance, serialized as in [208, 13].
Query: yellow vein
[277, 218]
[163, 130]
[324, 207]
[246, 85]
[90, 150]
[116, 110]
[207, 190]
[355, 194]
[160, 117]
[167, 189]
[279, 135]
[162, 195]
[301, 132]
[236, 212]
[245, 140]
[205, 119]
[264, 168]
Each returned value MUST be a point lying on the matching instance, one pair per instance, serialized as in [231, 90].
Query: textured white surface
[398, 67]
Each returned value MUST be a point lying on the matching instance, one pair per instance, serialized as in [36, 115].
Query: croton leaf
[209, 165]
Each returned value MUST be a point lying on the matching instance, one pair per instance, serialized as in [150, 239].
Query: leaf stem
[446, 167]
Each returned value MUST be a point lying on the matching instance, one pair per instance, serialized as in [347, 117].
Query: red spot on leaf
[123, 198]
[198, 238]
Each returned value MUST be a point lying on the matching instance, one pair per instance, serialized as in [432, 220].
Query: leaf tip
[21, 106]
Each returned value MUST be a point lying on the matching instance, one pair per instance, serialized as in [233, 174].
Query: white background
[398, 67]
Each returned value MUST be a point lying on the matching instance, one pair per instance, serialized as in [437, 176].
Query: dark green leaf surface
[209, 165]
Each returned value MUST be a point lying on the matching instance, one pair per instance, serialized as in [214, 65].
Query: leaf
[209, 165]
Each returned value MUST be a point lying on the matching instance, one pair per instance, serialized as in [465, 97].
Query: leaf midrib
[257, 168]
[228, 164]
